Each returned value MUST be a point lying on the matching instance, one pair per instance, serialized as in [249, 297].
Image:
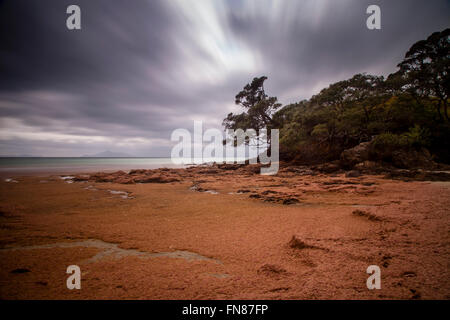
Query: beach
[223, 232]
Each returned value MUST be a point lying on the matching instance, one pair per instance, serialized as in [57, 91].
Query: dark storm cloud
[139, 69]
[327, 43]
[38, 51]
[87, 75]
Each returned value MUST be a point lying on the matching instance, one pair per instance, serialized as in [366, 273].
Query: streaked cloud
[139, 69]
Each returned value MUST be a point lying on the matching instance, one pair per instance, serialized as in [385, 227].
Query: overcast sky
[139, 69]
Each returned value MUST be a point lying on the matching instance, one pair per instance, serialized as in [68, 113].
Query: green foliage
[426, 69]
[407, 110]
[320, 131]
[417, 136]
[389, 140]
[258, 105]
[385, 144]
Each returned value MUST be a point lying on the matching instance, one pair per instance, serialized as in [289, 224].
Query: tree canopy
[408, 109]
[259, 108]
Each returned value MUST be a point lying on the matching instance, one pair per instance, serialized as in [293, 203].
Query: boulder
[352, 174]
[355, 155]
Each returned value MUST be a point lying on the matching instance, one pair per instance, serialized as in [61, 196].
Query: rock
[273, 196]
[226, 166]
[365, 214]
[328, 167]
[104, 178]
[209, 171]
[352, 174]
[266, 192]
[253, 168]
[413, 159]
[139, 171]
[156, 178]
[271, 269]
[367, 166]
[196, 187]
[81, 178]
[355, 155]
[296, 243]
[271, 199]
[418, 175]
[134, 176]
[124, 180]
[416, 294]
[306, 172]
[289, 201]
[301, 171]
[294, 169]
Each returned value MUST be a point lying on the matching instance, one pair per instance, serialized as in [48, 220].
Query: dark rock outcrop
[355, 155]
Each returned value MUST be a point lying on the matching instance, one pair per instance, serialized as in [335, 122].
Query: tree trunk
[446, 111]
[439, 110]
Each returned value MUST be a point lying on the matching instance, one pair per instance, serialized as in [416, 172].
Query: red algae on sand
[156, 237]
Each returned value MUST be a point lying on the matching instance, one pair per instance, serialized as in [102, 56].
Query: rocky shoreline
[227, 232]
[202, 177]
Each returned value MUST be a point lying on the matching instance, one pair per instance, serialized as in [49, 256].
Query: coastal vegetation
[403, 115]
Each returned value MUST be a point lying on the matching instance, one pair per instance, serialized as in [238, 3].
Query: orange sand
[242, 243]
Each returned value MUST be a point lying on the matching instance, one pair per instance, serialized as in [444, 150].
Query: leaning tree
[258, 111]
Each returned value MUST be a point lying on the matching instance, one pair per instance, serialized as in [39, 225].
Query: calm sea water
[72, 165]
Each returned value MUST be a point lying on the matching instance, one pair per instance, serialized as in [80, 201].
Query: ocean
[31, 165]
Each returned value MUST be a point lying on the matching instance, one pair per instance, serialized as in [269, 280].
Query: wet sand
[224, 234]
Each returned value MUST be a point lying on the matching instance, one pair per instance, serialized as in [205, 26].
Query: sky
[137, 70]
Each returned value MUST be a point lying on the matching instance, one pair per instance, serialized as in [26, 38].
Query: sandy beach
[223, 233]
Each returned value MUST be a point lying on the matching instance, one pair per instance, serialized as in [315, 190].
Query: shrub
[385, 144]
[417, 136]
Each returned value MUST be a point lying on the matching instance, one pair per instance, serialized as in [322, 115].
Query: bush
[417, 137]
[385, 144]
